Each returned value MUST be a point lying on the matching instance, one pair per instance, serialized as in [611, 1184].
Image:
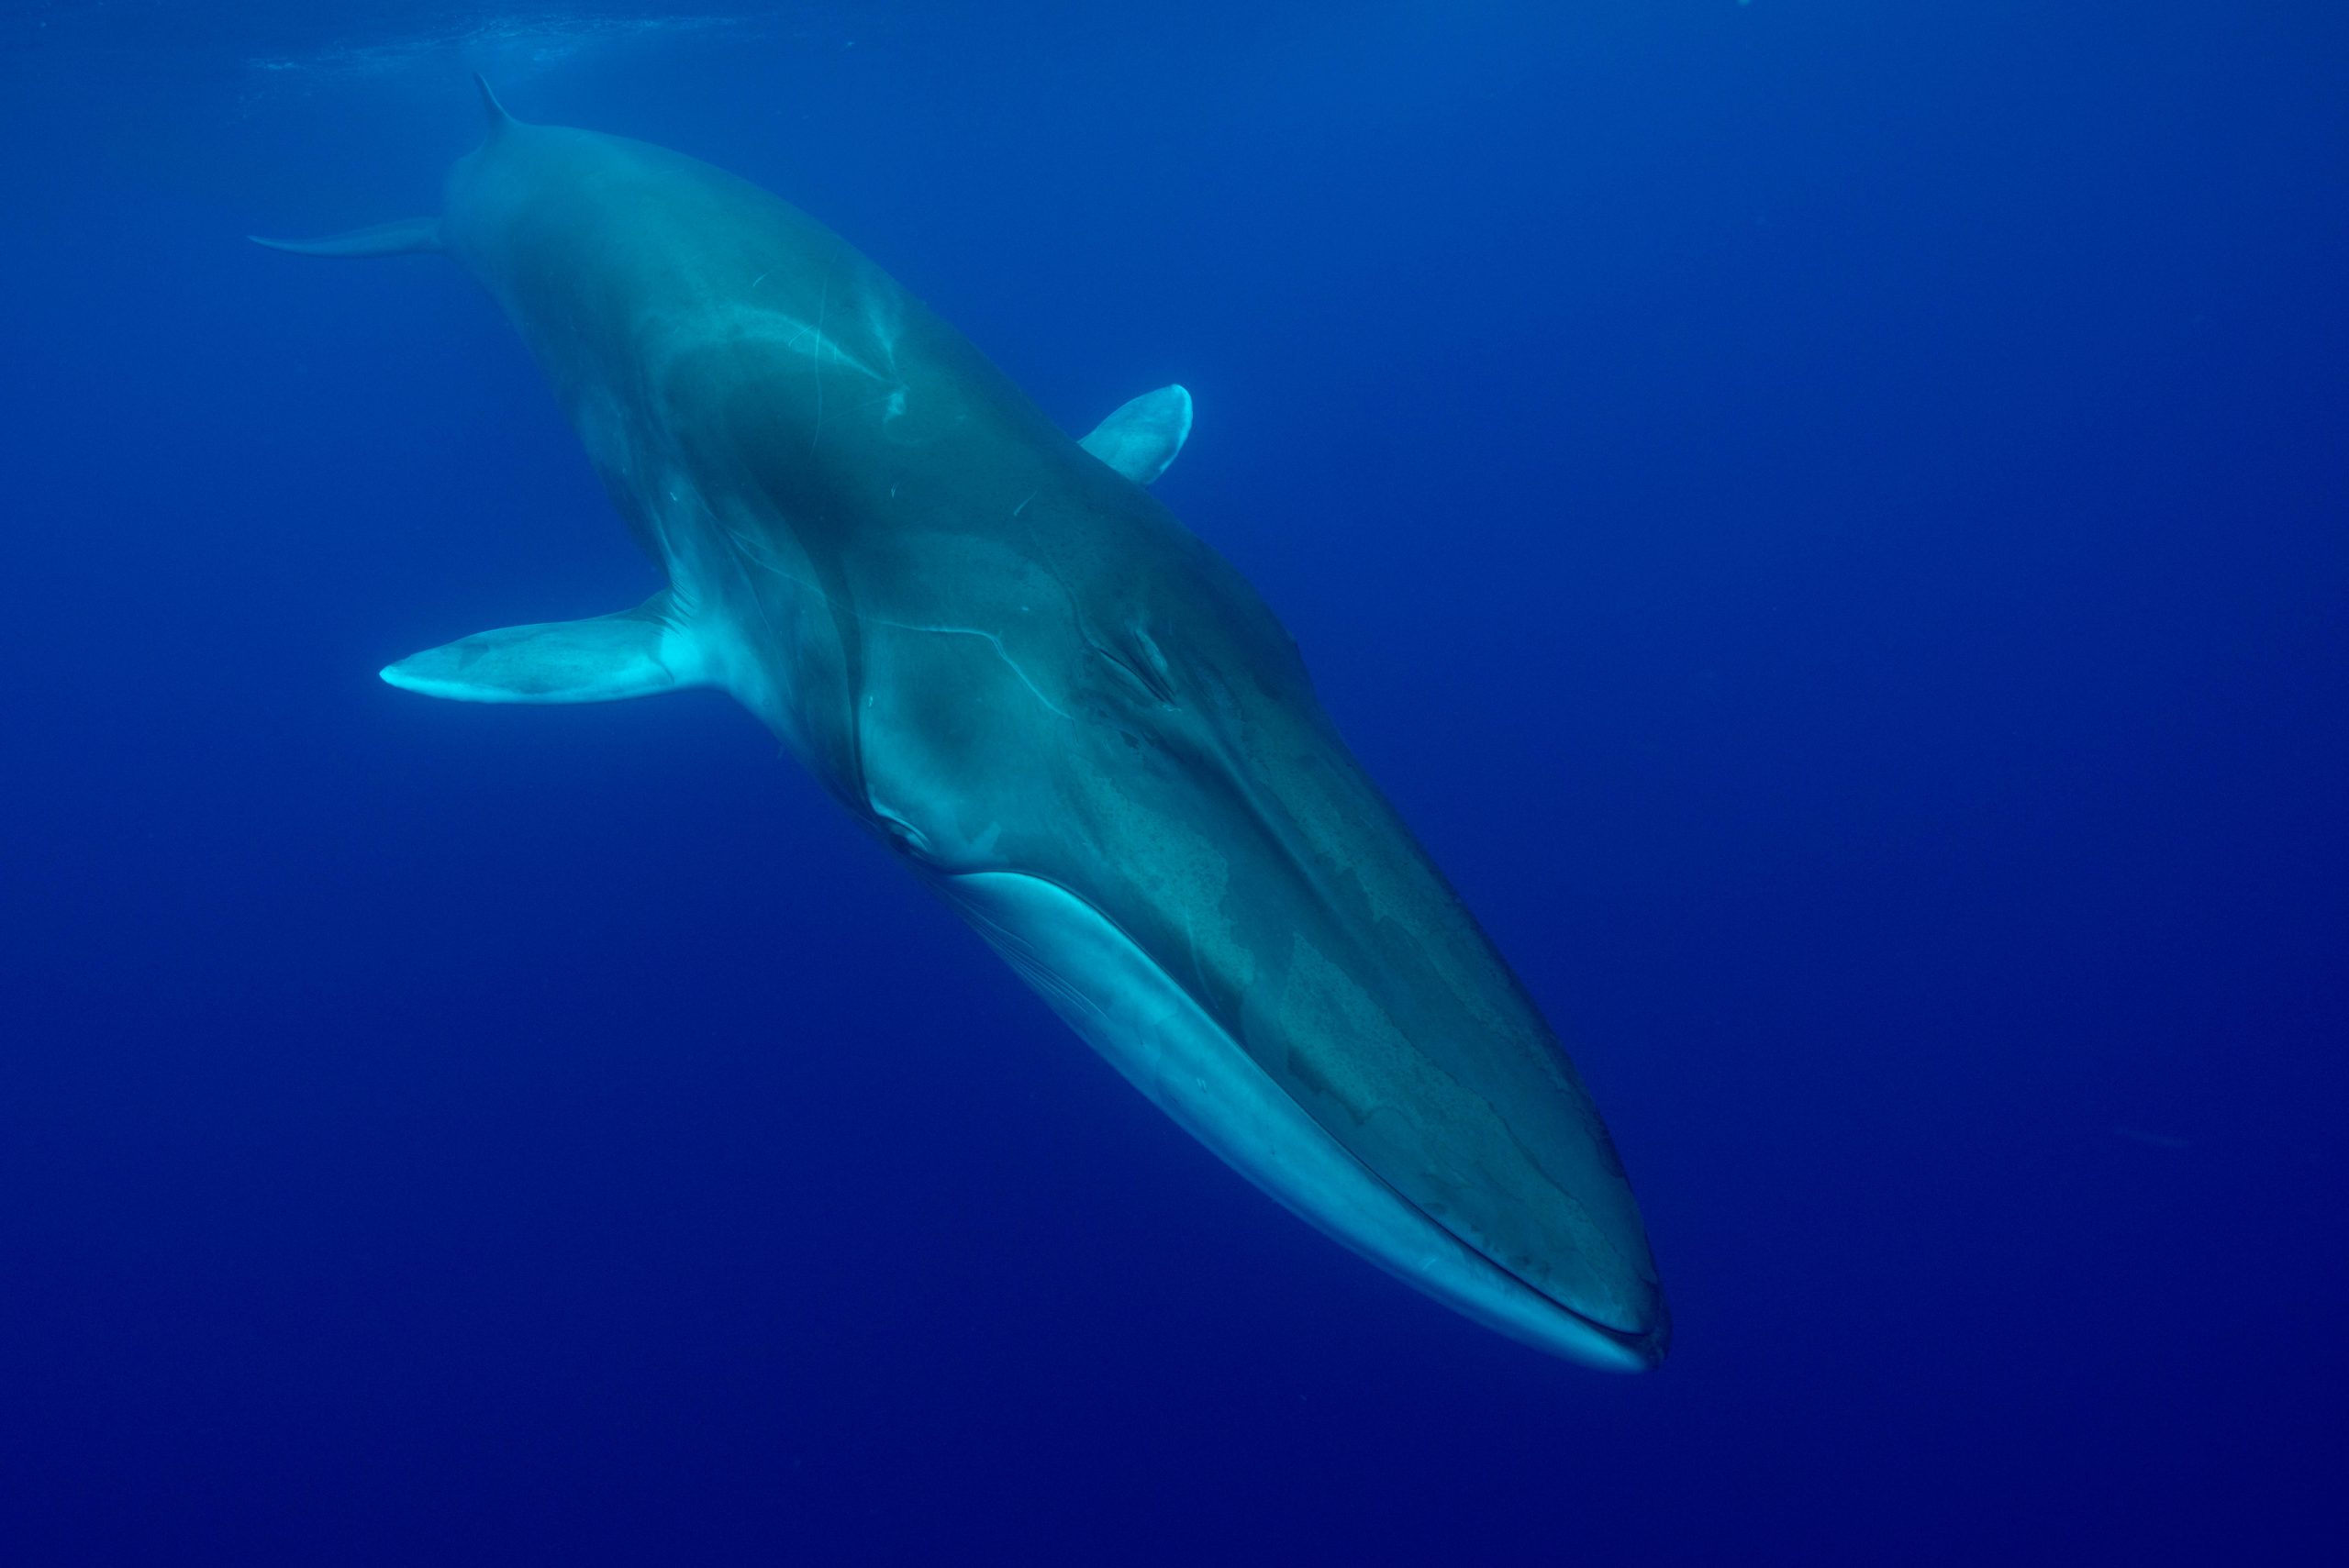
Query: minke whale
[1062, 710]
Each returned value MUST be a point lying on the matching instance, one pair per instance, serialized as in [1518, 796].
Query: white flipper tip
[408, 680]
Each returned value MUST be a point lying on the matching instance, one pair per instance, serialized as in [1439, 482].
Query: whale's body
[1068, 715]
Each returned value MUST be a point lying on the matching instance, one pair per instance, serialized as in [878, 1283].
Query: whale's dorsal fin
[1141, 437]
[635, 653]
[492, 110]
[404, 238]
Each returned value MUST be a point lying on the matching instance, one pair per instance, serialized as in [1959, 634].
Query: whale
[1058, 707]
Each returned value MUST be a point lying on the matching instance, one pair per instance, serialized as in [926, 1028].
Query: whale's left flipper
[635, 653]
[407, 237]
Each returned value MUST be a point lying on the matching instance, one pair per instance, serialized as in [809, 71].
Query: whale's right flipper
[1141, 437]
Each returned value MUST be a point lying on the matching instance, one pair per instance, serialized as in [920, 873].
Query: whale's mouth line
[1633, 1347]
[1644, 1344]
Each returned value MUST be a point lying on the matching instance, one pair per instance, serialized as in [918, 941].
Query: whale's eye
[903, 836]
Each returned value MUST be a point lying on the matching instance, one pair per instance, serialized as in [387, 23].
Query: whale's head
[1124, 780]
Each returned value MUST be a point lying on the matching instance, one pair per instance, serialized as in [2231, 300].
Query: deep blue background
[1829, 517]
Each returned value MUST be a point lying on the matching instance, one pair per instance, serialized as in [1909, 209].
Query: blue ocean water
[1827, 518]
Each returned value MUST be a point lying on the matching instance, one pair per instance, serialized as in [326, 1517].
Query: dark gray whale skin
[1067, 713]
